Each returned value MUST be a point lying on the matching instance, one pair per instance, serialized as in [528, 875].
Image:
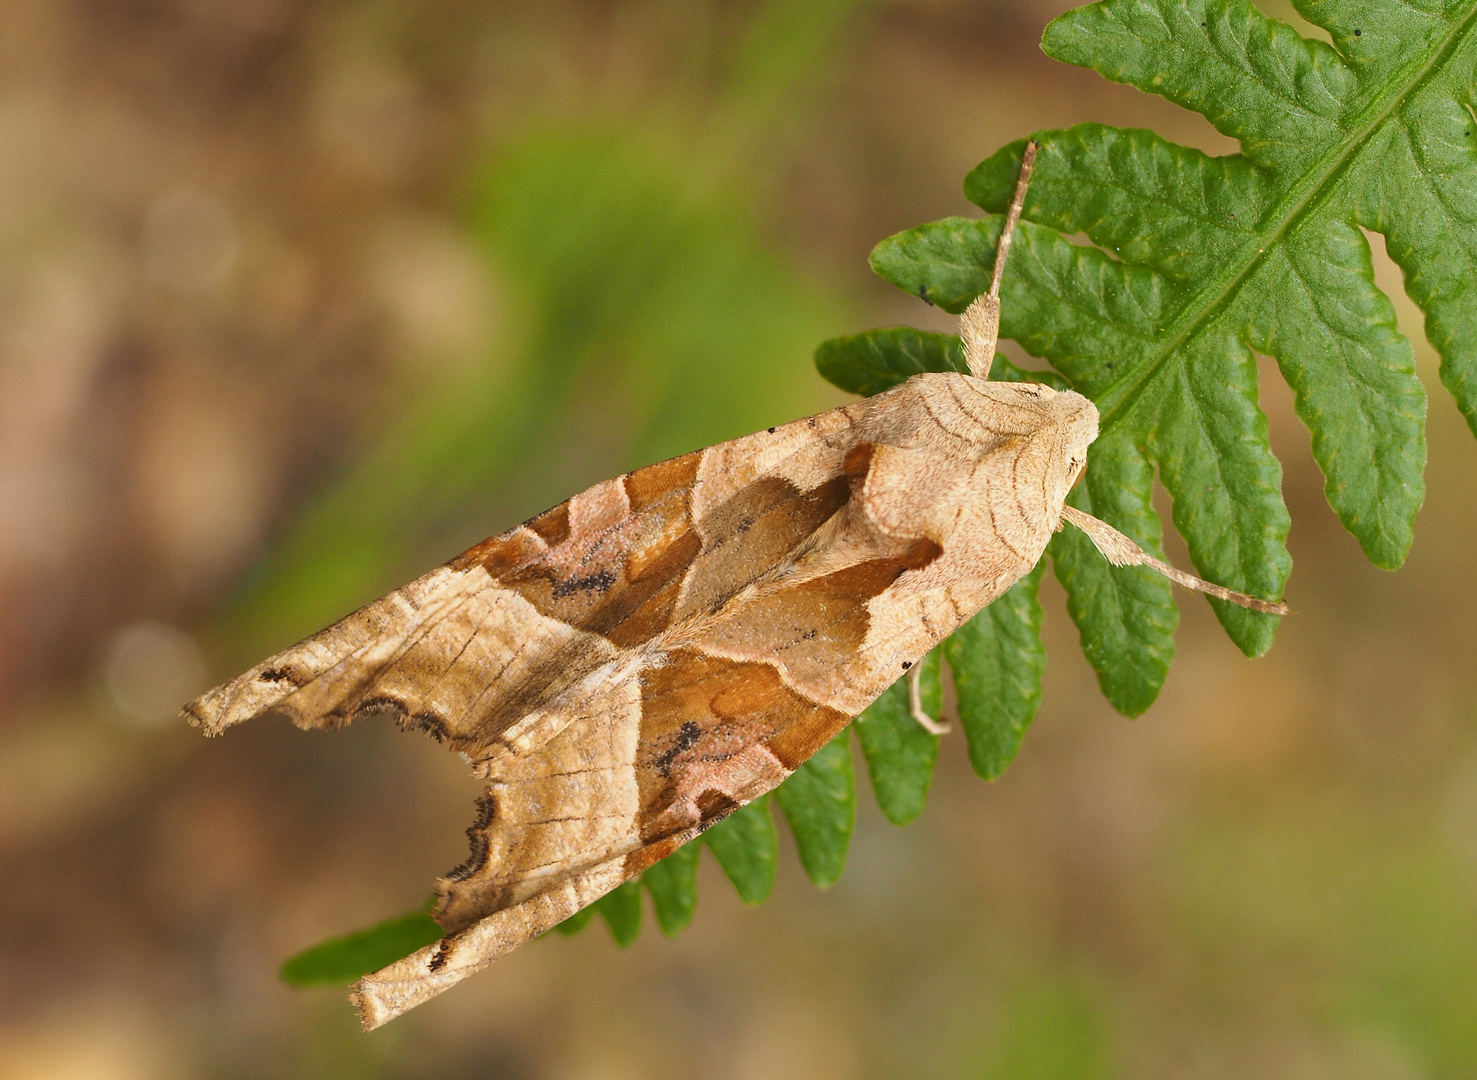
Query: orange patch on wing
[552, 525]
[500, 555]
[858, 460]
[814, 630]
[659, 482]
[645, 607]
[705, 723]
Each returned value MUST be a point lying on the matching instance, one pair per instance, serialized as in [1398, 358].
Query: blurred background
[300, 297]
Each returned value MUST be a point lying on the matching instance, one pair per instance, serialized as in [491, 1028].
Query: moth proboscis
[633, 665]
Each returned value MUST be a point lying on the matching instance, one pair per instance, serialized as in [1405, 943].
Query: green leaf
[747, 848]
[1282, 96]
[870, 363]
[341, 960]
[949, 260]
[900, 754]
[672, 883]
[819, 801]
[1125, 614]
[621, 910]
[997, 661]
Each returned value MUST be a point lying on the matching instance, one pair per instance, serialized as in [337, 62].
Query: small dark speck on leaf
[907, 664]
[771, 431]
[1358, 32]
[923, 295]
[1110, 365]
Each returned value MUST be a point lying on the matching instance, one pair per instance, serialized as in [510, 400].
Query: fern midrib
[1315, 186]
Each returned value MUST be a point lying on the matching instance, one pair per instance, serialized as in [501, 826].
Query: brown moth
[633, 665]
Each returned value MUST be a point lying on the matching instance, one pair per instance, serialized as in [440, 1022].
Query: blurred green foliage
[1053, 1029]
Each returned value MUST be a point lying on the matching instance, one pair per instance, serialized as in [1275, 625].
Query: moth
[635, 664]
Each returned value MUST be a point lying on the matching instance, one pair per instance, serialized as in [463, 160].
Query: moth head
[1077, 420]
[1064, 420]
[1081, 430]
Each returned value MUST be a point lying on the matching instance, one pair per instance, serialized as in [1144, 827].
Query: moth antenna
[979, 326]
[915, 704]
[1121, 551]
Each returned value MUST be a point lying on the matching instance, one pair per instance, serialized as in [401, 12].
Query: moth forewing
[640, 661]
[633, 665]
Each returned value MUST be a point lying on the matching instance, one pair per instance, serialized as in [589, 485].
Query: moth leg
[915, 703]
[979, 326]
[1121, 551]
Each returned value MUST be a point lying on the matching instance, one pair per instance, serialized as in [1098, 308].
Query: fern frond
[1201, 262]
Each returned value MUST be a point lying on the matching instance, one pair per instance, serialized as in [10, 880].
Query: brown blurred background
[299, 298]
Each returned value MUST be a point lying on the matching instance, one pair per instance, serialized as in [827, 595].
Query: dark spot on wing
[708, 822]
[734, 704]
[381, 703]
[429, 722]
[598, 582]
[714, 806]
[644, 607]
[688, 734]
